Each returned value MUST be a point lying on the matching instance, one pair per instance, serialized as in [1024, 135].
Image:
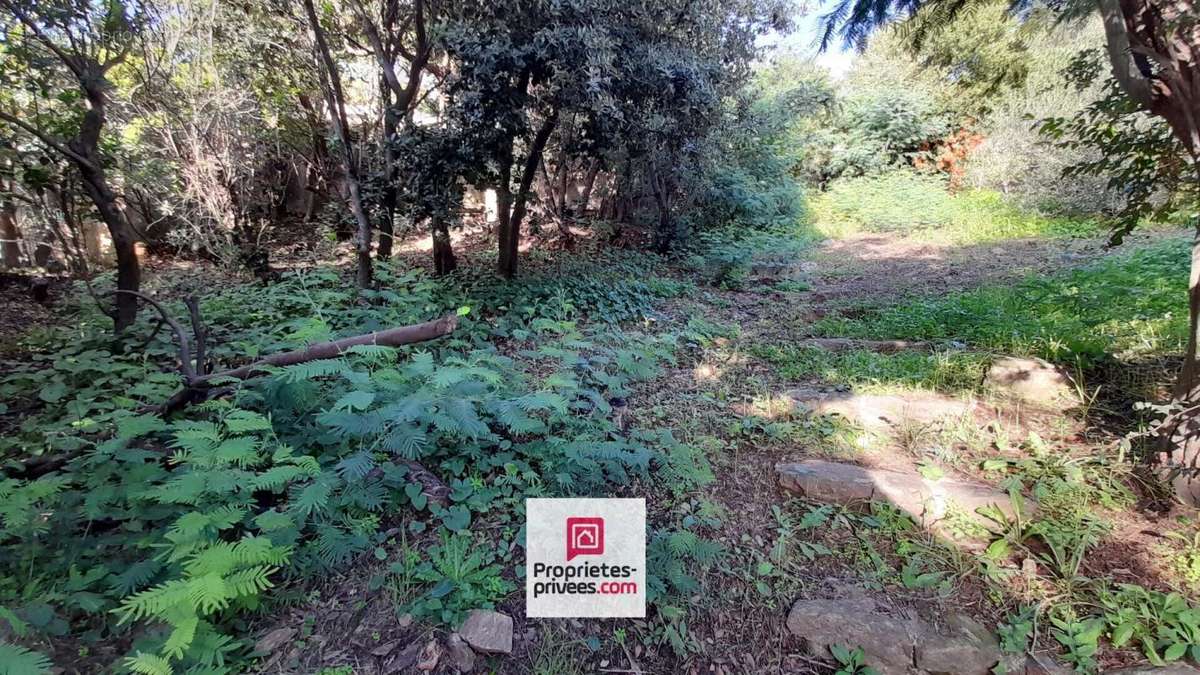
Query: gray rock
[488, 631]
[1033, 380]
[894, 644]
[963, 647]
[887, 641]
[928, 502]
[272, 641]
[407, 658]
[461, 653]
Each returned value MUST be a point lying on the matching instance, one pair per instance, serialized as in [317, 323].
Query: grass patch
[1125, 307]
[920, 205]
[943, 370]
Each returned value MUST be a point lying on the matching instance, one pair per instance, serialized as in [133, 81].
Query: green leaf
[53, 392]
[355, 400]
[457, 518]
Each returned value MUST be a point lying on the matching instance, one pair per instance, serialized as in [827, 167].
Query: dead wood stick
[197, 388]
[393, 337]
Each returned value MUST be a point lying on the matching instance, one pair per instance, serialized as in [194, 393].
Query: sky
[804, 41]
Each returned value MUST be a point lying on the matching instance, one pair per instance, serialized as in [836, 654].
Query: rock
[406, 659]
[461, 653]
[1041, 664]
[272, 641]
[895, 644]
[882, 412]
[964, 647]
[927, 501]
[488, 631]
[1033, 380]
[385, 649]
[405, 620]
[887, 642]
[430, 655]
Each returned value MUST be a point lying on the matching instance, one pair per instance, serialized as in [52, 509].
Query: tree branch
[48, 140]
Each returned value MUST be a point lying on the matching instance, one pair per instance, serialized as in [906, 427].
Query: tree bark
[10, 235]
[443, 250]
[332, 83]
[95, 183]
[510, 231]
[387, 223]
[1154, 49]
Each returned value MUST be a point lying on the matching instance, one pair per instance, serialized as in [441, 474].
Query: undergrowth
[158, 538]
[1125, 307]
[919, 205]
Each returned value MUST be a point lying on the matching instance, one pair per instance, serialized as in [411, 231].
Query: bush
[900, 200]
[918, 203]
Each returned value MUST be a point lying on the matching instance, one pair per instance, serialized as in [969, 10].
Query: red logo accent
[585, 536]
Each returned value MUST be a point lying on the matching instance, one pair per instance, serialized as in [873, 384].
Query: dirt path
[731, 402]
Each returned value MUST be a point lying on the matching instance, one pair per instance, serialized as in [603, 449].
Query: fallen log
[393, 337]
[198, 388]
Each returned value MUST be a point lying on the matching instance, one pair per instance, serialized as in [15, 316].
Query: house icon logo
[585, 536]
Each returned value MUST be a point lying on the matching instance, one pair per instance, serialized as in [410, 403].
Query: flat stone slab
[883, 412]
[488, 631]
[928, 502]
[894, 644]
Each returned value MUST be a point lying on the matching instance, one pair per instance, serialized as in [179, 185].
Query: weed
[850, 661]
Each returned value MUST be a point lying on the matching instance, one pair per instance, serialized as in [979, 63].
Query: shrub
[918, 203]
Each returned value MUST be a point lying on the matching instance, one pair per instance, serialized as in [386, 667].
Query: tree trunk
[443, 251]
[507, 259]
[314, 180]
[332, 82]
[1182, 437]
[10, 235]
[86, 144]
[510, 231]
[387, 223]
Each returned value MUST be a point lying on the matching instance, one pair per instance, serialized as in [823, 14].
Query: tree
[82, 42]
[1153, 50]
[335, 99]
[387, 32]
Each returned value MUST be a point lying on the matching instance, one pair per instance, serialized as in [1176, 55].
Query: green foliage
[1124, 306]
[1164, 625]
[948, 370]
[918, 204]
[17, 660]
[850, 661]
[454, 577]
[298, 470]
[1080, 639]
[1136, 152]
